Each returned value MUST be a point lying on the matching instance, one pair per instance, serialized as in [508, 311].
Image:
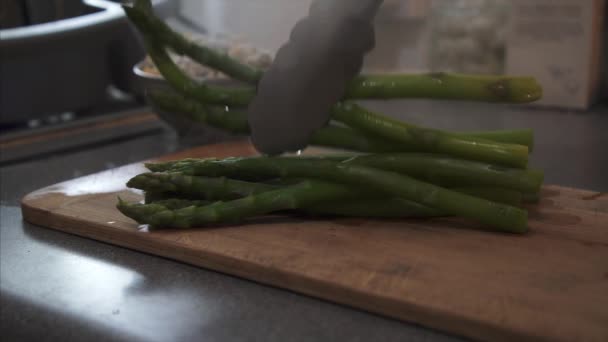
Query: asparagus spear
[235, 121]
[496, 194]
[309, 195]
[201, 92]
[179, 203]
[182, 82]
[151, 196]
[493, 88]
[224, 118]
[291, 197]
[430, 140]
[143, 5]
[519, 137]
[465, 144]
[437, 169]
[204, 188]
[374, 208]
[499, 216]
[369, 208]
[513, 155]
[212, 188]
[353, 115]
[153, 26]
[453, 172]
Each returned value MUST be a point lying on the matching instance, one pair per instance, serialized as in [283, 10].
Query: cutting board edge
[406, 312]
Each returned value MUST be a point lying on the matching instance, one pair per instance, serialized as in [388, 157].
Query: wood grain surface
[549, 285]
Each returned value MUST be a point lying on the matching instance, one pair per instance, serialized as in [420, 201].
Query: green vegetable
[188, 87]
[431, 140]
[235, 121]
[385, 128]
[153, 26]
[476, 175]
[178, 203]
[291, 197]
[519, 137]
[176, 184]
[212, 188]
[433, 168]
[444, 86]
[496, 215]
[493, 88]
[369, 208]
[453, 172]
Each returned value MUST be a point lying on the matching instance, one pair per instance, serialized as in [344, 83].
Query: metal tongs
[310, 72]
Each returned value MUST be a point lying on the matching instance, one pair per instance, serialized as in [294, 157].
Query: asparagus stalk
[208, 188]
[374, 208]
[235, 121]
[431, 140]
[204, 188]
[201, 92]
[523, 137]
[350, 139]
[436, 169]
[493, 88]
[178, 203]
[348, 113]
[291, 197]
[151, 196]
[499, 216]
[444, 86]
[353, 115]
[500, 195]
[153, 26]
[369, 208]
[182, 82]
[180, 165]
[313, 196]
[143, 5]
[154, 197]
[224, 118]
[453, 172]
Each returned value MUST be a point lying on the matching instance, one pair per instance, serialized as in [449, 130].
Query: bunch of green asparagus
[392, 169]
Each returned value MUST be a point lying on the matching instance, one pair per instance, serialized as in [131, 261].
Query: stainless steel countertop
[55, 286]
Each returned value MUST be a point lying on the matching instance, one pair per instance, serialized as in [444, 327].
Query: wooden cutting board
[550, 284]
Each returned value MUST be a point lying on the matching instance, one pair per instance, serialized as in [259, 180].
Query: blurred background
[62, 61]
[559, 42]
